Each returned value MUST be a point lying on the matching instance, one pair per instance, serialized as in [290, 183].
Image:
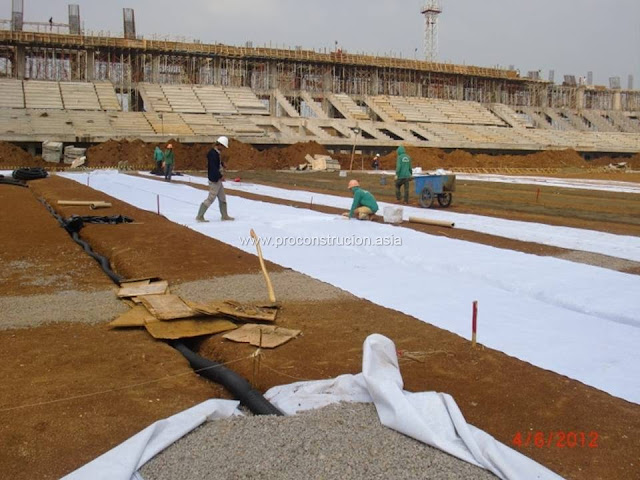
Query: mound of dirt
[13, 156]
[243, 156]
[432, 158]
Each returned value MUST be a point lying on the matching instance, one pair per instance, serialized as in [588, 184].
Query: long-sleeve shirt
[403, 164]
[362, 198]
[213, 165]
[168, 157]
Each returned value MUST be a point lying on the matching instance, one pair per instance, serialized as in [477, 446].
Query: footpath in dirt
[66, 398]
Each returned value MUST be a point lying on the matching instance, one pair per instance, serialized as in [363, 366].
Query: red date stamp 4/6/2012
[556, 439]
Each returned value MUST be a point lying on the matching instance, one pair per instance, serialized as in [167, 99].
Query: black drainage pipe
[238, 386]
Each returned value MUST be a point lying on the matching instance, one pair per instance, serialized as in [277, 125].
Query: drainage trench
[216, 372]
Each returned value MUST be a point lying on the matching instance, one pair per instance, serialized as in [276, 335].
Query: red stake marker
[474, 323]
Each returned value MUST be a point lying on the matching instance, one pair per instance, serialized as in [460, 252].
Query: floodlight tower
[431, 12]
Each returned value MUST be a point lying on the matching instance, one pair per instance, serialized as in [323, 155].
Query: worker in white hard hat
[215, 170]
[375, 163]
[364, 204]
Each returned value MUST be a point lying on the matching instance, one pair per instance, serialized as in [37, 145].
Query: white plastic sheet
[430, 417]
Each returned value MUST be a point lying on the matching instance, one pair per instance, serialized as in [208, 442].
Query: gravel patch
[344, 441]
[287, 285]
[68, 306]
[598, 260]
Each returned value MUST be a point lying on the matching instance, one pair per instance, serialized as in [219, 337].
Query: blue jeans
[168, 171]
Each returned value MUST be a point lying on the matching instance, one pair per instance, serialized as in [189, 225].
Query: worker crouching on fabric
[215, 171]
[364, 204]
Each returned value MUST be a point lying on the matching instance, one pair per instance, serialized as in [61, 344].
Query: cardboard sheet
[136, 289]
[135, 317]
[263, 336]
[167, 307]
[193, 327]
[237, 310]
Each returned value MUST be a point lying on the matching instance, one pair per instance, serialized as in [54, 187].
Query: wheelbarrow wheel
[426, 197]
[444, 199]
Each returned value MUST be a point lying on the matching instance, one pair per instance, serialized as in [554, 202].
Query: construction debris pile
[167, 316]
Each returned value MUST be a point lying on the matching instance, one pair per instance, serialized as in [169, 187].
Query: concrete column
[617, 100]
[580, 98]
[91, 65]
[155, 69]
[21, 62]
[375, 83]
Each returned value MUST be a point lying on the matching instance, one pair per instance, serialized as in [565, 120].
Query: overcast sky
[568, 36]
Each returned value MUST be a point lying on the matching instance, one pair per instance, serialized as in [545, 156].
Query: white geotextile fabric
[621, 246]
[429, 417]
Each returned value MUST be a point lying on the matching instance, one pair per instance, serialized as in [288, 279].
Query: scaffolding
[128, 61]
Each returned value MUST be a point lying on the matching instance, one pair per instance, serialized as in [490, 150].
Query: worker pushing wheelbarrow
[428, 187]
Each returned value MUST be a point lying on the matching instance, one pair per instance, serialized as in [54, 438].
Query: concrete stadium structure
[85, 89]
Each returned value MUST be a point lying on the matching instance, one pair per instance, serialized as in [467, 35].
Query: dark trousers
[168, 171]
[403, 182]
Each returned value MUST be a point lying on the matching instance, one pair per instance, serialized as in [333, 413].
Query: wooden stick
[428, 221]
[474, 324]
[92, 203]
[272, 295]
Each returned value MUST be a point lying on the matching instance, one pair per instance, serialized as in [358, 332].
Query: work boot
[223, 211]
[200, 216]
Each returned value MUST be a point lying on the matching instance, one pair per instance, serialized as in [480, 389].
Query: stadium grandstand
[60, 83]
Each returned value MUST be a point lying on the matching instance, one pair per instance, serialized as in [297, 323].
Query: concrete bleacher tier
[79, 96]
[107, 96]
[168, 123]
[154, 98]
[347, 107]
[14, 121]
[245, 101]
[45, 95]
[128, 124]
[206, 125]
[11, 94]
[182, 99]
[214, 100]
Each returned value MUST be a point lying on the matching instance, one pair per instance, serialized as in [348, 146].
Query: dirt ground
[71, 392]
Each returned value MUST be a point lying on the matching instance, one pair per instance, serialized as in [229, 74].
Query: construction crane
[431, 12]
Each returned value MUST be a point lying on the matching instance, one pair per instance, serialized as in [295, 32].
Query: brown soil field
[73, 391]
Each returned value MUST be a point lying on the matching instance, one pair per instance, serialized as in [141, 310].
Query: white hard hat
[224, 141]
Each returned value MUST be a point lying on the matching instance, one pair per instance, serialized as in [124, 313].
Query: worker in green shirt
[403, 173]
[158, 157]
[168, 162]
[364, 205]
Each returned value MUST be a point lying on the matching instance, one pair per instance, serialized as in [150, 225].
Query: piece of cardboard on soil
[192, 327]
[237, 310]
[135, 317]
[167, 307]
[263, 336]
[143, 287]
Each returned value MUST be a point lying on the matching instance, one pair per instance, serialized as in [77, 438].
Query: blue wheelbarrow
[430, 187]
